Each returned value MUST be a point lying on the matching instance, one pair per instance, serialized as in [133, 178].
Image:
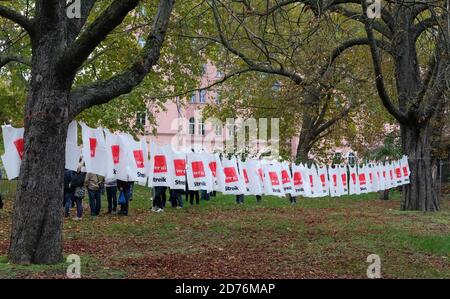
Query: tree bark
[384, 194]
[36, 232]
[421, 193]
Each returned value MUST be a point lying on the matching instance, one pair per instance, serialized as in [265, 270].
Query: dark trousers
[195, 194]
[124, 207]
[176, 199]
[258, 198]
[111, 196]
[204, 195]
[240, 198]
[95, 202]
[68, 198]
[79, 203]
[1, 202]
[292, 199]
[159, 198]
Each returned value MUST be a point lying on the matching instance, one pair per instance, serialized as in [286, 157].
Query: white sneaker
[154, 209]
[159, 211]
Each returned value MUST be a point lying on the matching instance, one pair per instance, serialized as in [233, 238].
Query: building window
[218, 129]
[351, 159]
[276, 86]
[217, 98]
[201, 127]
[204, 69]
[192, 126]
[193, 97]
[141, 118]
[141, 41]
[202, 98]
[230, 129]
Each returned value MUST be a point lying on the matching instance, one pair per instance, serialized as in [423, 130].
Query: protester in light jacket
[93, 184]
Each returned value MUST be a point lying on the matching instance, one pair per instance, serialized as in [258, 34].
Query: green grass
[316, 238]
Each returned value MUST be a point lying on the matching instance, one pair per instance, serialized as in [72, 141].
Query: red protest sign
[180, 167]
[160, 165]
[19, 146]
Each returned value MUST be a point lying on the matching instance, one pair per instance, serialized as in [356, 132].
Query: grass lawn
[316, 238]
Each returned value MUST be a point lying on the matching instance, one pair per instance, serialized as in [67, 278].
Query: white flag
[406, 172]
[324, 189]
[177, 169]
[354, 181]
[255, 176]
[73, 151]
[94, 150]
[233, 181]
[299, 179]
[272, 179]
[160, 174]
[198, 173]
[286, 178]
[14, 149]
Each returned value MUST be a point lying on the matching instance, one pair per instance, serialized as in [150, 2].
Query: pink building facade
[182, 123]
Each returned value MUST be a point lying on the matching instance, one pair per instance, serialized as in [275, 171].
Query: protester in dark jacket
[77, 183]
[1, 200]
[68, 191]
[125, 188]
[111, 195]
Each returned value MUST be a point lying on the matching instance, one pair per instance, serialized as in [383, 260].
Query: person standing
[77, 184]
[111, 195]
[196, 194]
[159, 199]
[176, 199]
[1, 200]
[125, 188]
[68, 191]
[93, 184]
[240, 198]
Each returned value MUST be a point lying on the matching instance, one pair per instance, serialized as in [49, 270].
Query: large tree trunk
[421, 193]
[36, 233]
[302, 152]
[384, 194]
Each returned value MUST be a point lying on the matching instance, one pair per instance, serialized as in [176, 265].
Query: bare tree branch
[17, 18]
[251, 63]
[379, 78]
[5, 59]
[80, 50]
[215, 83]
[352, 43]
[123, 83]
[75, 25]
